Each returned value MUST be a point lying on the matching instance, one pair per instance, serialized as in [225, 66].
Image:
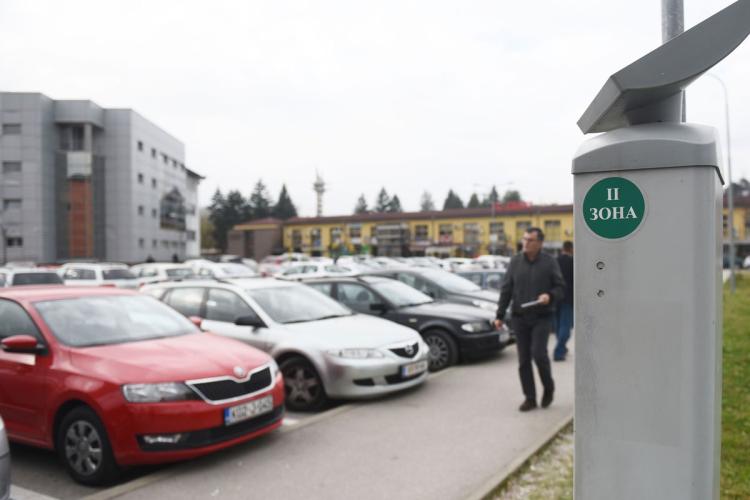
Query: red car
[111, 378]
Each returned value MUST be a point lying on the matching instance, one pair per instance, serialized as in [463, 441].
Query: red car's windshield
[90, 321]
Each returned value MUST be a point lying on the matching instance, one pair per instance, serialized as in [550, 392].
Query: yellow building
[457, 232]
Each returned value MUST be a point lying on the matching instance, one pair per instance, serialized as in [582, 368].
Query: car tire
[443, 349]
[302, 385]
[84, 447]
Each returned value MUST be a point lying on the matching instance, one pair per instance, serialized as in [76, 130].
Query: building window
[11, 172]
[72, 138]
[11, 128]
[11, 204]
[355, 231]
[141, 243]
[315, 237]
[140, 178]
[296, 239]
[14, 241]
[153, 152]
[335, 234]
[153, 183]
[552, 230]
[446, 233]
[174, 163]
[421, 232]
[140, 209]
[153, 243]
[165, 243]
[471, 234]
[190, 235]
[497, 228]
[153, 213]
[140, 145]
[165, 158]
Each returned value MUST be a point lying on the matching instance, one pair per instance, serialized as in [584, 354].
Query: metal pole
[672, 25]
[730, 189]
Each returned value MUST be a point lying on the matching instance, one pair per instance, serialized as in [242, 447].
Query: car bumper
[200, 425]
[479, 344]
[354, 379]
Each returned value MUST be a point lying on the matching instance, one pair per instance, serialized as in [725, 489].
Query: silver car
[323, 349]
[4, 464]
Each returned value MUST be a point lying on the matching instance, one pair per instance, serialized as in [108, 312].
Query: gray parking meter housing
[648, 313]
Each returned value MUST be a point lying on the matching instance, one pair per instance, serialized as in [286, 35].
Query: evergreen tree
[260, 201]
[361, 207]
[491, 198]
[216, 217]
[452, 201]
[511, 195]
[395, 205]
[474, 201]
[383, 201]
[284, 208]
[426, 204]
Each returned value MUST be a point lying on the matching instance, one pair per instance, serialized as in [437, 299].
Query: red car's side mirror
[20, 343]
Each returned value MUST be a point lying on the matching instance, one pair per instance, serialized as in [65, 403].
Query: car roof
[35, 293]
[18, 270]
[244, 283]
[368, 278]
[95, 265]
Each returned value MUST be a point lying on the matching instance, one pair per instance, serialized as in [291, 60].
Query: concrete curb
[489, 486]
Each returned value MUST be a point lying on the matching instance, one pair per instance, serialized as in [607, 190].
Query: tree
[383, 201]
[426, 204]
[511, 195]
[284, 208]
[260, 201]
[361, 207]
[452, 201]
[216, 212]
[474, 201]
[395, 205]
[491, 198]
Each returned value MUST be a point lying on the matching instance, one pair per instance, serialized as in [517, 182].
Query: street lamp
[730, 190]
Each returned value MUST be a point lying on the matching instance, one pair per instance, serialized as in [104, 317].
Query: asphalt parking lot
[446, 439]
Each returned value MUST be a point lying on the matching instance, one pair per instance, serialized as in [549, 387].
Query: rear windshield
[180, 272]
[117, 274]
[90, 321]
[37, 279]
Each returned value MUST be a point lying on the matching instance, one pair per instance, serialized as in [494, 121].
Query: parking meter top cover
[648, 90]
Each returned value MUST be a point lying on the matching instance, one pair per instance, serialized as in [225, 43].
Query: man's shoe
[559, 358]
[547, 398]
[527, 405]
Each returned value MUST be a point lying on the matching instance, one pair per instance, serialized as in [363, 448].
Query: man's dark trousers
[532, 333]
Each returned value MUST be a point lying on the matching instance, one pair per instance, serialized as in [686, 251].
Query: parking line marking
[18, 493]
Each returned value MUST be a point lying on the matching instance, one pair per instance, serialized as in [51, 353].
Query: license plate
[413, 368]
[504, 336]
[248, 410]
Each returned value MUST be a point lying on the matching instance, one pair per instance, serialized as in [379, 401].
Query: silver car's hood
[357, 330]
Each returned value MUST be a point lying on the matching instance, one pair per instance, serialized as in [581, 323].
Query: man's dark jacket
[565, 262]
[525, 280]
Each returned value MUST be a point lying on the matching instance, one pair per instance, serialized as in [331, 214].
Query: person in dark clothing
[535, 285]
[565, 307]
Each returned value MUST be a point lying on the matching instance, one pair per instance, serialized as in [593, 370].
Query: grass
[549, 475]
[735, 418]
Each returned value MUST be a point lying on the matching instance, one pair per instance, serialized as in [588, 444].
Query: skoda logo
[409, 349]
[239, 372]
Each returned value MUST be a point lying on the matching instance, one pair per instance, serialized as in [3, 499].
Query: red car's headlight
[157, 393]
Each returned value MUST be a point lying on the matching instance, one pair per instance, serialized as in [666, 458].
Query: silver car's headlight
[157, 393]
[476, 327]
[356, 353]
[484, 304]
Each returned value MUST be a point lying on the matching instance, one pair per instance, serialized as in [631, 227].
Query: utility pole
[672, 25]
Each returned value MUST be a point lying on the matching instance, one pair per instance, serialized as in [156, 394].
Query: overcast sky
[409, 95]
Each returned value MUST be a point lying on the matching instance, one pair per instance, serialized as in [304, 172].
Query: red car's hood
[172, 359]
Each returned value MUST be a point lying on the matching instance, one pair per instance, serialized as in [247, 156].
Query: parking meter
[648, 255]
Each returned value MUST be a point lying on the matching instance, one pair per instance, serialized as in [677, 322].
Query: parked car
[442, 285]
[486, 279]
[324, 349]
[98, 274]
[453, 332]
[18, 276]
[111, 378]
[274, 264]
[154, 272]
[493, 261]
[746, 262]
[222, 270]
[313, 269]
[4, 463]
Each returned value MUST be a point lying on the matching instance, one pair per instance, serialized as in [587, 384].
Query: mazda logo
[239, 372]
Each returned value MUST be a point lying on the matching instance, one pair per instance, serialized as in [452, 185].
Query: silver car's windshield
[90, 321]
[400, 294]
[450, 281]
[295, 304]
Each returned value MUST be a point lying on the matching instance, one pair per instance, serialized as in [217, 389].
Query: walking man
[534, 283]
[565, 307]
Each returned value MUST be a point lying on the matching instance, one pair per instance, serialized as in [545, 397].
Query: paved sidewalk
[454, 438]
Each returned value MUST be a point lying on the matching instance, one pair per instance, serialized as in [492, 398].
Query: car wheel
[84, 448]
[443, 349]
[302, 384]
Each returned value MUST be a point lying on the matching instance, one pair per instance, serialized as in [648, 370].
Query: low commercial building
[78, 181]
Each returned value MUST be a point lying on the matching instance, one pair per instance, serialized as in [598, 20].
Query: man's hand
[543, 298]
[498, 324]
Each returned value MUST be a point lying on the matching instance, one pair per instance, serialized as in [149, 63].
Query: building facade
[458, 232]
[79, 181]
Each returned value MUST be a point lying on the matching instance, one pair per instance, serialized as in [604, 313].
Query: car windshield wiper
[330, 316]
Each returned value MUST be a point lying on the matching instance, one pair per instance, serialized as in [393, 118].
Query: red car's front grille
[223, 389]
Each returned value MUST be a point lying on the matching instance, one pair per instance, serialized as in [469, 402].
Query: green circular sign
[613, 208]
